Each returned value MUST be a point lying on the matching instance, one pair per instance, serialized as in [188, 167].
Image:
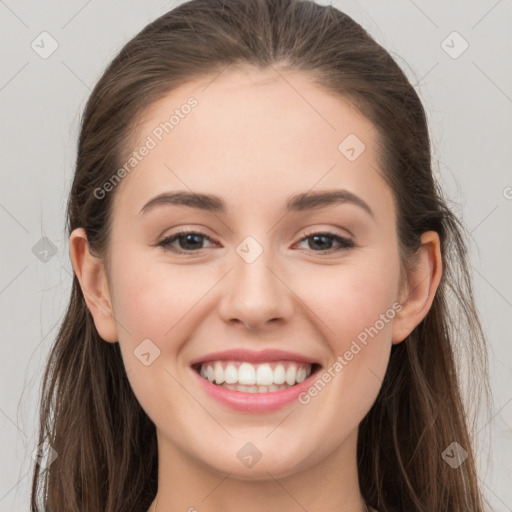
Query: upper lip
[253, 356]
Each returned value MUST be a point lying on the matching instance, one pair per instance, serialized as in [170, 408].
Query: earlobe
[90, 273]
[423, 281]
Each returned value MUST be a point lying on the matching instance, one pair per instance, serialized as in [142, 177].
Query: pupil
[188, 237]
[317, 237]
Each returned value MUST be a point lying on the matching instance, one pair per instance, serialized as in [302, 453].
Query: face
[264, 268]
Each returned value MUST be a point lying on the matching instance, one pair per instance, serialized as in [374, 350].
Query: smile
[255, 378]
[252, 381]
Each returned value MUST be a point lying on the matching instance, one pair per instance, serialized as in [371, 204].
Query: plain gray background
[468, 99]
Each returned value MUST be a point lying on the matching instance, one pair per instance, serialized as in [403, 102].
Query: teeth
[259, 378]
[219, 373]
[230, 374]
[279, 374]
[264, 375]
[246, 374]
[291, 373]
[301, 375]
[250, 389]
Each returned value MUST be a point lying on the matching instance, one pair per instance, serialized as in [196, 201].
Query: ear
[423, 281]
[91, 274]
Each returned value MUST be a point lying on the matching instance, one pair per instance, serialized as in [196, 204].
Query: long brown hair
[106, 444]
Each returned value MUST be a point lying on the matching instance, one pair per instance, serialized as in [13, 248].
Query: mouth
[262, 377]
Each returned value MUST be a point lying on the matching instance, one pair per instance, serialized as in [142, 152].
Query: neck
[329, 483]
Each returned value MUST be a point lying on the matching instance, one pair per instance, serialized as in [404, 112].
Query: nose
[256, 294]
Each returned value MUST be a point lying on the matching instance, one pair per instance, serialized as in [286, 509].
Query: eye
[324, 238]
[190, 240]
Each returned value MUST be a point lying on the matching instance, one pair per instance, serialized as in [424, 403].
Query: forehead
[252, 131]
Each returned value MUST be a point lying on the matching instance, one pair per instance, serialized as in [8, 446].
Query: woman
[263, 267]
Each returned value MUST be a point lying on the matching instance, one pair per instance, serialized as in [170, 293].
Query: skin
[254, 139]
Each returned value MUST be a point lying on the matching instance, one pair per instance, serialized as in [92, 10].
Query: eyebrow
[296, 203]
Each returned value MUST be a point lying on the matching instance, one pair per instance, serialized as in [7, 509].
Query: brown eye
[188, 242]
[322, 242]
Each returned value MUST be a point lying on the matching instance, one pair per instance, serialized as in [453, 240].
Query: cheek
[151, 301]
[356, 307]
[151, 297]
[352, 298]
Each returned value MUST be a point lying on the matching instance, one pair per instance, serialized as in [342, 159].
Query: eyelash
[166, 242]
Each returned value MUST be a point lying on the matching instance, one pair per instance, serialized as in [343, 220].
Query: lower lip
[255, 402]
